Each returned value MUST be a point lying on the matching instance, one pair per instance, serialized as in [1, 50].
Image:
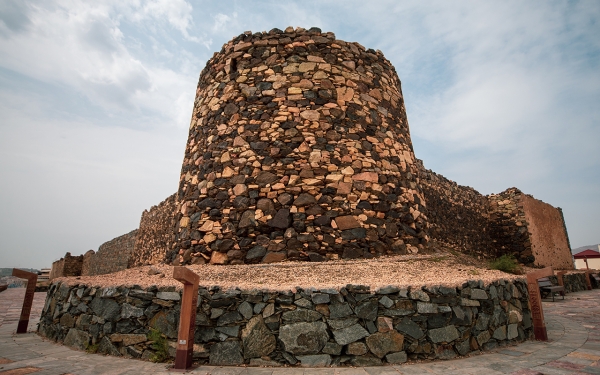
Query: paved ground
[574, 348]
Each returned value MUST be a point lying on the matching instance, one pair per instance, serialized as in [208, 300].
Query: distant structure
[299, 148]
[589, 258]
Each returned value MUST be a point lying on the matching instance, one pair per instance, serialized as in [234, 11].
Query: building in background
[588, 259]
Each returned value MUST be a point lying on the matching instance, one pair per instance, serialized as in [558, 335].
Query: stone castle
[299, 148]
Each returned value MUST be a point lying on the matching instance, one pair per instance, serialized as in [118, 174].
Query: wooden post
[535, 302]
[587, 279]
[187, 317]
[561, 281]
[28, 300]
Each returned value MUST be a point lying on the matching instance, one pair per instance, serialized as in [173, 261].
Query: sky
[96, 99]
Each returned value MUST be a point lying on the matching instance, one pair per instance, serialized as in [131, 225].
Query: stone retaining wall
[155, 235]
[308, 327]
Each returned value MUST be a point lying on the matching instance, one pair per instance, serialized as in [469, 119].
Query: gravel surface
[406, 270]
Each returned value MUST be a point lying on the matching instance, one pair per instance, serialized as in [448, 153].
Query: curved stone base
[307, 327]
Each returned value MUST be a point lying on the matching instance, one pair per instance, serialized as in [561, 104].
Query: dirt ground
[444, 267]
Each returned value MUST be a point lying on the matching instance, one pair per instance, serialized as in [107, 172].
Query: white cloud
[84, 46]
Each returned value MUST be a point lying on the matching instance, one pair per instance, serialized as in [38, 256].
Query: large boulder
[257, 339]
[77, 339]
[304, 338]
[381, 344]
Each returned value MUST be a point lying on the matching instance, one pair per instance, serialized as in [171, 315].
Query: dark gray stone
[408, 327]
[245, 309]
[386, 302]
[342, 323]
[319, 298]
[315, 360]
[490, 345]
[247, 219]
[265, 178]
[483, 337]
[229, 318]
[168, 296]
[447, 291]
[289, 358]
[512, 331]
[445, 351]
[483, 322]
[282, 219]
[396, 358]
[419, 295]
[388, 290]
[257, 252]
[77, 339]
[165, 322]
[445, 334]
[128, 311]
[257, 339]
[463, 347]
[500, 333]
[301, 315]
[351, 334]
[367, 310]
[478, 294]
[226, 353]
[230, 109]
[427, 308]
[382, 343]
[303, 302]
[332, 348]
[304, 338]
[304, 199]
[339, 310]
[437, 320]
[232, 331]
[106, 347]
[365, 361]
[106, 308]
[141, 294]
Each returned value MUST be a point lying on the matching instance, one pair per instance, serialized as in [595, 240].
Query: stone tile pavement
[573, 328]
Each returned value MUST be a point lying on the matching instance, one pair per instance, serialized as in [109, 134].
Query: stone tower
[298, 148]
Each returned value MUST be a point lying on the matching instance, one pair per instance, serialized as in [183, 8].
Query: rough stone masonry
[299, 148]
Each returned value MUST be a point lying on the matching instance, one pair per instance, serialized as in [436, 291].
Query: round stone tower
[299, 149]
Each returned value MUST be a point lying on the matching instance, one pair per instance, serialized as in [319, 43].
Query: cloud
[88, 48]
[13, 17]
[178, 14]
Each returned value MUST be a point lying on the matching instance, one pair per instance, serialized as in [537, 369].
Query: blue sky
[96, 97]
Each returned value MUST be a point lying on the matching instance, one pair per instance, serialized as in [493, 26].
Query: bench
[546, 288]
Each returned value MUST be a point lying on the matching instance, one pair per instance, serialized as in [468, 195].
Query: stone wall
[299, 148]
[156, 234]
[548, 237]
[113, 256]
[67, 266]
[309, 327]
[458, 215]
[532, 230]
[573, 281]
[87, 262]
